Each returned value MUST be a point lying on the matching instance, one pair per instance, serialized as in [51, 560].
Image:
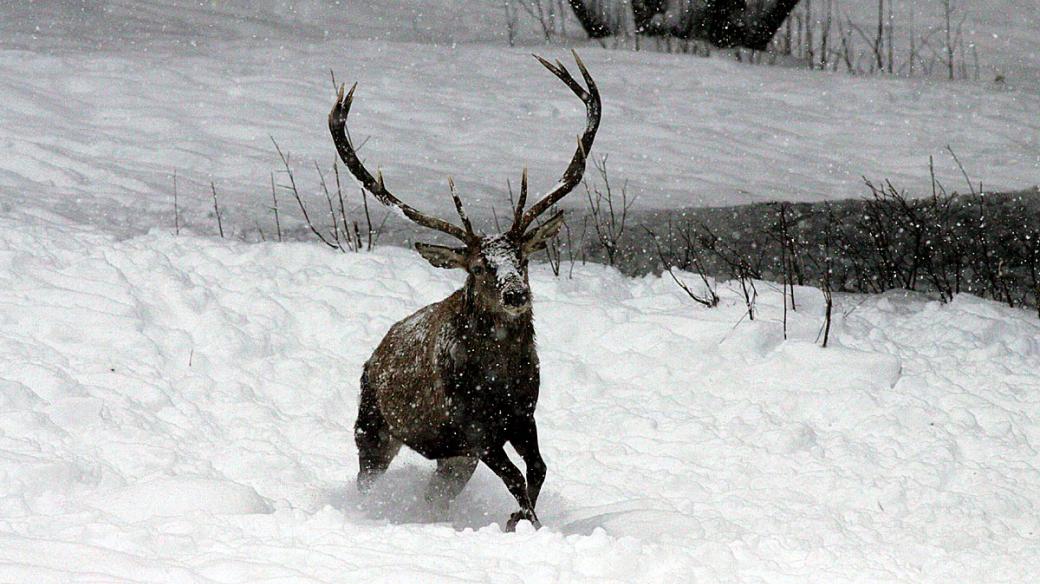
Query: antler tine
[518, 211]
[593, 88]
[558, 69]
[458, 207]
[572, 175]
[337, 127]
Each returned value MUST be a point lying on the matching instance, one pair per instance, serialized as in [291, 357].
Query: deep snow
[179, 409]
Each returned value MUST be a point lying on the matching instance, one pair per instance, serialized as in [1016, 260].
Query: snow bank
[178, 496]
[179, 409]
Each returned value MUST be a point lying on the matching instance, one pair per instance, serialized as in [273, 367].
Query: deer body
[458, 380]
[448, 380]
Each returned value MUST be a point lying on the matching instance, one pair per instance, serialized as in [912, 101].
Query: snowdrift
[180, 409]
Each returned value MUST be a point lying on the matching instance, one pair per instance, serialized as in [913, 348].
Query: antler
[337, 126]
[575, 170]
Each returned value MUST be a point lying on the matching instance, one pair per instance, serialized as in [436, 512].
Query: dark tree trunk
[761, 27]
[723, 23]
[591, 20]
[643, 12]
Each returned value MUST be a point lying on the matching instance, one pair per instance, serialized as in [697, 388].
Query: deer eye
[477, 270]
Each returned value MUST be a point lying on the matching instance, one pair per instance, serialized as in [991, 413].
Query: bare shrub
[342, 234]
[550, 16]
[608, 211]
[710, 297]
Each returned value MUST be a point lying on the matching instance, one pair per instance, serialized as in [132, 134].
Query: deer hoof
[522, 515]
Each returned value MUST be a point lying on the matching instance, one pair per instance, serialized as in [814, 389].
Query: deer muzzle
[516, 297]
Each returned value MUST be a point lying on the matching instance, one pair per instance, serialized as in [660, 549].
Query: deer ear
[442, 256]
[537, 240]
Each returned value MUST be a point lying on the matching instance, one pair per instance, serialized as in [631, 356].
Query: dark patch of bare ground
[939, 244]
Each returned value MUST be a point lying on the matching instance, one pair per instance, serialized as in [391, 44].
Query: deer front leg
[496, 459]
[525, 441]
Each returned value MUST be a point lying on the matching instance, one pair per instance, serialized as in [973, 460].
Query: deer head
[497, 263]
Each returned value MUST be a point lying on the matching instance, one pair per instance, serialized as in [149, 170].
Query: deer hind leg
[449, 480]
[376, 447]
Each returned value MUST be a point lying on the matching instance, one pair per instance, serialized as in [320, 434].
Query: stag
[458, 379]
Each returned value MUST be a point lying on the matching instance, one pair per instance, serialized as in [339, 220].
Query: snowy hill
[101, 106]
[180, 409]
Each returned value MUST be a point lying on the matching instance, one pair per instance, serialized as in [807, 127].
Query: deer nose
[516, 298]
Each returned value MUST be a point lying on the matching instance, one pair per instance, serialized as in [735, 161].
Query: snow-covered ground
[179, 409]
[100, 107]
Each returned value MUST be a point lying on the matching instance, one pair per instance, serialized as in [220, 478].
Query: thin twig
[176, 208]
[379, 230]
[971, 187]
[342, 208]
[368, 217]
[332, 210]
[296, 193]
[274, 201]
[216, 209]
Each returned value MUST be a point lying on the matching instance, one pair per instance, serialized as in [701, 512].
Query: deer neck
[489, 326]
